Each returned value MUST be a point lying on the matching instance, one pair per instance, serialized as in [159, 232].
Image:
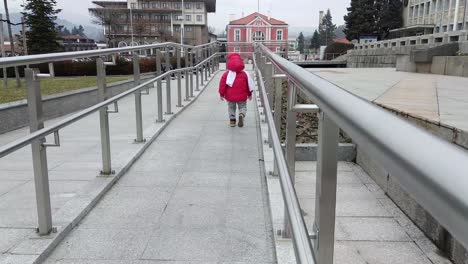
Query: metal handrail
[61, 56]
[432, 170]
[22, 142]
[302, 245]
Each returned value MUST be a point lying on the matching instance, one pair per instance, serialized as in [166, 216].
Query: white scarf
[232, 77]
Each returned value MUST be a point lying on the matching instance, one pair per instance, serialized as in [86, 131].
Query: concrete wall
[15, 115]
[407, 204]
[377, 58]
[308, 152]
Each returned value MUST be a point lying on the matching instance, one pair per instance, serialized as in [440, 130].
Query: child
[236, 87]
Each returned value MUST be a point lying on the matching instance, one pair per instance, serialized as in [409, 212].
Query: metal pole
[202, 82]
[25, 41]
[103, 118]
[131, 25]
[159, 87]
[325, 204]
[179, 79]
[12, 42]
[39, 152]
[278, 79]
[291, 131]
[2, 47]
[186, 73]
[190, 54]
[138, 107]
[182, 24]
[197, 82]
[168, 83]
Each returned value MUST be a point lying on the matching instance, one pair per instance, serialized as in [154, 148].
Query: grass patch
[50, 86]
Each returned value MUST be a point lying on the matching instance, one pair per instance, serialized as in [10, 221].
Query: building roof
[246, 20]
[210, 4]
[342, 40]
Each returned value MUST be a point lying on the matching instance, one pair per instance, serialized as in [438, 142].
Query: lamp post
[131, 24]
[182, 24]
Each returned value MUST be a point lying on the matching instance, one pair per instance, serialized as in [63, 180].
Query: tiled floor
[195, 196]
[369, 227]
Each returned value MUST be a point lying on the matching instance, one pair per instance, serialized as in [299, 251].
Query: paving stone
[205, 179]
[370, 229]
[103, 243]
[17, 259]
[11, 237]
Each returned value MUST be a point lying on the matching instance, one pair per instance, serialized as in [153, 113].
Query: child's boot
[232, 123]
[241, 120]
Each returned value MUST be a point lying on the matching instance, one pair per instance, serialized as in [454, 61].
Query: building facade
[257, 28]
[136, 22]
[77, 43]
[432, 16]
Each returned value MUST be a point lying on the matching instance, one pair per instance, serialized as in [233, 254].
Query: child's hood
[235, 63]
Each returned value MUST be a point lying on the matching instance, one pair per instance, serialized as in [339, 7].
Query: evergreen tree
[81, 31]
[75, 31]
[360, 18]
[327, 29]
[390, 16]
[373, 17]
[66, 32]
[315, 41]
[40, 16]
[300, 42]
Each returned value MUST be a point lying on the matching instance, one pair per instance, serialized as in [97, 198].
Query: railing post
[291, 131]
[167, 59]
[186, 72]
[179, 79]
[39, 153]
[190, 54]
[209, 62]
[206, 71]
[138, 108]
[197, 77]
[201, 73]
[159, 87]
[278, 83]
[268, 75]
[103, 118]
[326, 182]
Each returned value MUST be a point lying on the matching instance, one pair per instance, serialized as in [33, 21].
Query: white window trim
[277, 34]
[237, 32]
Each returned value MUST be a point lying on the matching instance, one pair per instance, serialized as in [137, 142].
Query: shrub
[332, 50]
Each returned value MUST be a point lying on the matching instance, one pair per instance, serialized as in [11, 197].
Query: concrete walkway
[73, 171]
[195, 196]
[437, 98]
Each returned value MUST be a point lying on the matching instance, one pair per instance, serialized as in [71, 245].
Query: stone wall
[15, 115]
[377, 58]
[441, 237]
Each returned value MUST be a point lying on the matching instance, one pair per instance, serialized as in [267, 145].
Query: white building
[432, 16]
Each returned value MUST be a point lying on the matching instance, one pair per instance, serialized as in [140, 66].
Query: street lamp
[131, 24]
[182, 24]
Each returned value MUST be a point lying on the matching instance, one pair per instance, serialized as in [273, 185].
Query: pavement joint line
[269, 226]
[65, 228]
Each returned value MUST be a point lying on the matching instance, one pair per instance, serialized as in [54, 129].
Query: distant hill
[93, 32]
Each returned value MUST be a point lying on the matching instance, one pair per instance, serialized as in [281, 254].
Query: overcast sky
[297, 13]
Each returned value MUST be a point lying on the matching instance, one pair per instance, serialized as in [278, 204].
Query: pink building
[257, 28]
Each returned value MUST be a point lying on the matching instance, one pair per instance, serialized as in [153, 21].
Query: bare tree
[106, 18]
[12, 41]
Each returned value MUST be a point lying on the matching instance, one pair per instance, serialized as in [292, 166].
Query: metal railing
[432, 170]
[205, 55]
[438, 182]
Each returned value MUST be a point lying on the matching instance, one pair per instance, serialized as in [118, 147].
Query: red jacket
[239, 92]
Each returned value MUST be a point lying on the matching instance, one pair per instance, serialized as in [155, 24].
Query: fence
[207, 61]
[437, 182]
